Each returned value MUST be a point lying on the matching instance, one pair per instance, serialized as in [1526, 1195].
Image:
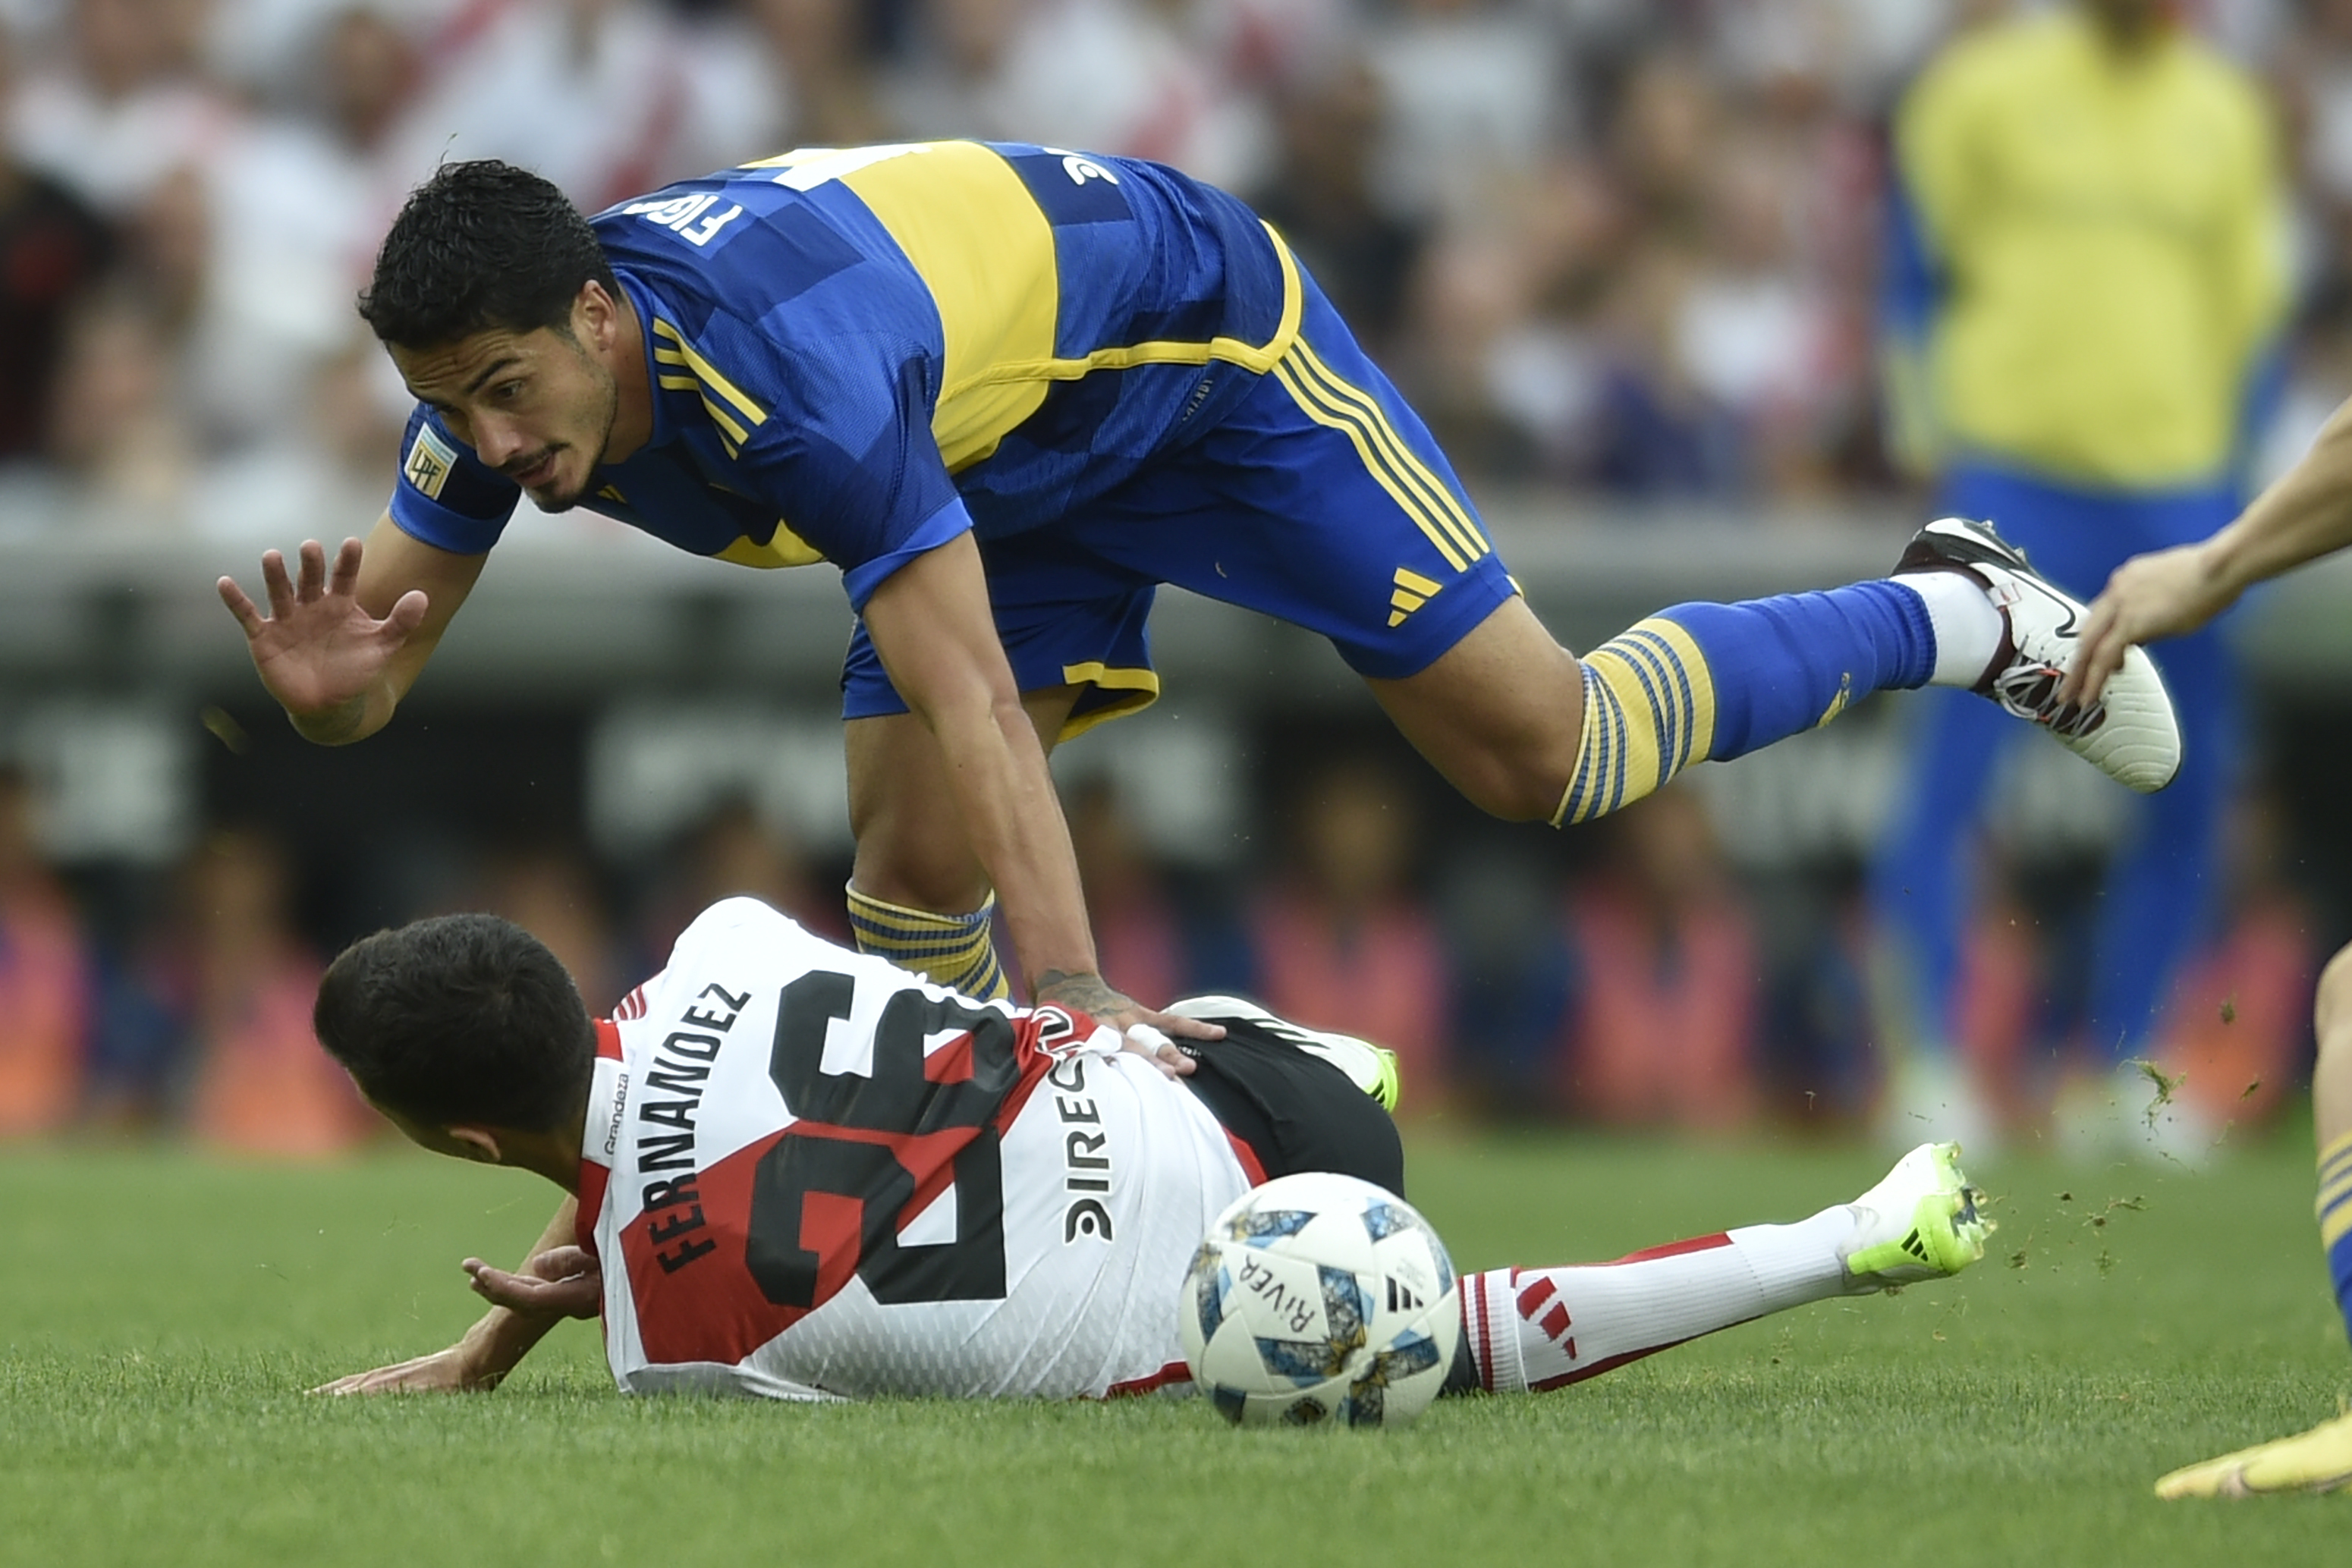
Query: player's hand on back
[2161, 594]
[318, 650]
[1147, 1033]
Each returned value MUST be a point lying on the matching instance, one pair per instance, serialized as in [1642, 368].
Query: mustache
[517, 467]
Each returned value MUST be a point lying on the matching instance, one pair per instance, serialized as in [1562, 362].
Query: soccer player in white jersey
[804, 1172]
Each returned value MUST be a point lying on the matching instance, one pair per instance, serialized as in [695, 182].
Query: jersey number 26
[827, 1200]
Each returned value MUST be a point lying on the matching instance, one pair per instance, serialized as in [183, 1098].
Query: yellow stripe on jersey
[1259, 357]
[683, 353]
[785, 548]
[978, 241]
[721, 398]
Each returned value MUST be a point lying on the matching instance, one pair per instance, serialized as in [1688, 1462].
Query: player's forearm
[1005, 796]
[496, 1344]
[2305, 513]
[501, 1337]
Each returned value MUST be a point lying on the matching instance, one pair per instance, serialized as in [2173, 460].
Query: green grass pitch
[162, 1314]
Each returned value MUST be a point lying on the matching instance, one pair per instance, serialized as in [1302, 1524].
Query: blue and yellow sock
[1717, 681]
[2335, 1219]
[955, 950]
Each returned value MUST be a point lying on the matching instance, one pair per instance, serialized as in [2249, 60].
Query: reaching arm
[930, 623]
[2305, 515]
[341, 647]
[932, 627]
[558, 1280]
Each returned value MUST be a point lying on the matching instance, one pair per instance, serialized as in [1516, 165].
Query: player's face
[537, 406]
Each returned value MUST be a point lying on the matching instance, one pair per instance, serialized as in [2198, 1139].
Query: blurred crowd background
[1619, 252]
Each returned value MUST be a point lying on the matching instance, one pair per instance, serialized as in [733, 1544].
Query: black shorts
[1294, 1110]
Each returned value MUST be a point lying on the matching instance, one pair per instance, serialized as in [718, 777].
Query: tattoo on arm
[1087, 993]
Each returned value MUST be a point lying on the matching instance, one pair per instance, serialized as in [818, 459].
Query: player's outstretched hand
[318, 650]
[2161, 594]
[560, 1282]
[447, 1371]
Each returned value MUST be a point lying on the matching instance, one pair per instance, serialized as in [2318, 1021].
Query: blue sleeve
[446, 497]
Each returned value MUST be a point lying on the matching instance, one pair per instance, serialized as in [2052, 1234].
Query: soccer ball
[1319, 1298]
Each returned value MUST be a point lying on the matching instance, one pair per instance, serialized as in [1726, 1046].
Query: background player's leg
[1922, 888]
[918, 895]
[2159, 902]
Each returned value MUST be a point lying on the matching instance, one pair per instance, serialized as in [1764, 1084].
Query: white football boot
[1371, 1068]
[2130, 734]
[1920, 1222]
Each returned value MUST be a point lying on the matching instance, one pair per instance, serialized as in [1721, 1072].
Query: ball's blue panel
[1366, 1400]
[1210, 1286]
[1346, 1308]
[1260, 1227]
[1407, 1354]
[1230, 1402]
[1383, 1220]
[1303, 1360]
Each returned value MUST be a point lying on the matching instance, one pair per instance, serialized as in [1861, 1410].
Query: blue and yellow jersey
[2093, 259]
[858, 354]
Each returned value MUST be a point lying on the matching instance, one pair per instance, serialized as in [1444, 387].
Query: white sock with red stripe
[1532, 1329]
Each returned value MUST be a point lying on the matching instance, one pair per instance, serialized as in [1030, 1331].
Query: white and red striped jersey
[811, 1173]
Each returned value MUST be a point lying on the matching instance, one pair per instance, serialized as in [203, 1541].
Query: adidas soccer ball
[1319, 1298]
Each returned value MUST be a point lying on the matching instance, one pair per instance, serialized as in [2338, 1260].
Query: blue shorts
[1321, 499]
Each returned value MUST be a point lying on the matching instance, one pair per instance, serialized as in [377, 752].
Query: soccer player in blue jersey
[1008, 391]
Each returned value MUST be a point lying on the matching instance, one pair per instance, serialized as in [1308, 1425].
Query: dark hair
[462, 1019]
[479, 245]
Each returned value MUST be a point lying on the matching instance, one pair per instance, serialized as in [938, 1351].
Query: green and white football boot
[1371, 1068]
[1921, 1222]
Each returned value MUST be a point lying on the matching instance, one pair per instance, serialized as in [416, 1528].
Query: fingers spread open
[247, 613]
[313, 581]
[346, 577]
[277, 584]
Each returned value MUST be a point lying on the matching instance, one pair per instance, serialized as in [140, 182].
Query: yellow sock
[955, 950]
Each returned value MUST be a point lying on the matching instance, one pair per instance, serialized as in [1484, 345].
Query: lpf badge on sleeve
[429, 462]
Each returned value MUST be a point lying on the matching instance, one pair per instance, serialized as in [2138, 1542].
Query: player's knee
[2332, 1009]
[1523, 788]
[1520, 776]
[1534, 795]
[911, 873]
